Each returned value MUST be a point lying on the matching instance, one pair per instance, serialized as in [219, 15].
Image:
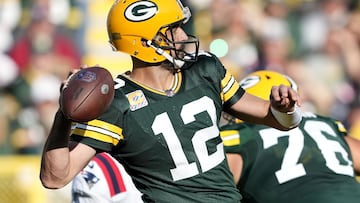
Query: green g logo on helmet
[140, 11]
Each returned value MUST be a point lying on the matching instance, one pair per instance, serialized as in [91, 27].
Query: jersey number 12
[183, 169]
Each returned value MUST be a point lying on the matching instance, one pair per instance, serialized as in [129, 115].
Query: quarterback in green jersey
[163, 122]
[310, 163]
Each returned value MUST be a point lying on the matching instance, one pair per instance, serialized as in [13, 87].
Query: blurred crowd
[38, 48]
[316, 42]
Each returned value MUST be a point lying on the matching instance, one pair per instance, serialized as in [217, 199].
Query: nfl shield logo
[86, 76]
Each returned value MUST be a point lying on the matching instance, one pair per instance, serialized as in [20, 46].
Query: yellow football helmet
[259, 83]
[130, 23]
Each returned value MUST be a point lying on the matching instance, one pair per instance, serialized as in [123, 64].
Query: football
[87, 94]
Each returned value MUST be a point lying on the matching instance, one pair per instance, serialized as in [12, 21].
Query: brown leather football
[87, 94]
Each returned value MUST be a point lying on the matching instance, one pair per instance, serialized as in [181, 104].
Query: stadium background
[305, 35]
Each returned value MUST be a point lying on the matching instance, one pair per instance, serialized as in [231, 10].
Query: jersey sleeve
[103, 133]
[338, 126]
[230, 90]
[98, 134]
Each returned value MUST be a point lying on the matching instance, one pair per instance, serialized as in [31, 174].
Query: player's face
[182, 43]
[176, 34]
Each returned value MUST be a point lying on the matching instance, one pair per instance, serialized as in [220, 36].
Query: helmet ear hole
[144, 43]
[159, 38]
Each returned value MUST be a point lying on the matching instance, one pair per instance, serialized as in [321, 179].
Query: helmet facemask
[176, 52]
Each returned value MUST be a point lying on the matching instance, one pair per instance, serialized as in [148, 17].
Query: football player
[163, 122]
[314, 162]
[104, 180]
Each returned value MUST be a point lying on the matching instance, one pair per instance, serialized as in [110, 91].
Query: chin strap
[176, 62]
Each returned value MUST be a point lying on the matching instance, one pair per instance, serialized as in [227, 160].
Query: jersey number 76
[291, 168]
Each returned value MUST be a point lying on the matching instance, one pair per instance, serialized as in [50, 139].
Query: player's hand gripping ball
[87, 94]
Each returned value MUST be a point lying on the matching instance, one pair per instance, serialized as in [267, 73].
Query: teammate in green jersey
[310, 163]
[163, 122]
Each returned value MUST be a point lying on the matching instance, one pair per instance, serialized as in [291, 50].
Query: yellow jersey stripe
[230, 137]
[341, 127]
[225, 80]
[106, 126]
[177, 82]
[95, 135]
[230, 86]
[98, 130]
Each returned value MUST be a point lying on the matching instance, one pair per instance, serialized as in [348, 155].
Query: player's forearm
[55, 168]
[262, 114]
[55, 160]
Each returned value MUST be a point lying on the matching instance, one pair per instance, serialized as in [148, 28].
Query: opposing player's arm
[235, 164]
[354, 145]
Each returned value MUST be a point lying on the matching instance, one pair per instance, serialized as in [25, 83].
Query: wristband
[289, 119]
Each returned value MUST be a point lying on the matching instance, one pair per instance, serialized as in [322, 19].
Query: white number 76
[290, 167]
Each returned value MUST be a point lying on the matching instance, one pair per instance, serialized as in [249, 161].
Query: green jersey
[311, 163]
[169, 142]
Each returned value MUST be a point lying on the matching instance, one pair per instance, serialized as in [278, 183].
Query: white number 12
[183, 169]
